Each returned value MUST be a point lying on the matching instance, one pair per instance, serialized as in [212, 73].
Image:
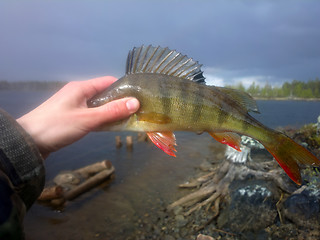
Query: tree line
[294, 89]
[31, 85]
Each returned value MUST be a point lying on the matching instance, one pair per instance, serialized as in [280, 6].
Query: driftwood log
[213, 187]
[72, 184]
[50, 193]
[88, 184]
[93, 169]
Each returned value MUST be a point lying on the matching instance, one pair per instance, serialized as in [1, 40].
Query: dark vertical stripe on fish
[166, 96]
[183, 90]
[245, 125]
[222, 114]
[198, 103]
[222, 117]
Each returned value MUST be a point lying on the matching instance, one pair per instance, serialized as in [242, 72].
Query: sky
[248, 41]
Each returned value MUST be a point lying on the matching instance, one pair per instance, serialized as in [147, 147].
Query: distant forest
[291, 90]
[31, 85]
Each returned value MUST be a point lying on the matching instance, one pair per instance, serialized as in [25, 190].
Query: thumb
[114, 111]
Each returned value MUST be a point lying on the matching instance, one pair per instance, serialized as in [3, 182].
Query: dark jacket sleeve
[22, 176]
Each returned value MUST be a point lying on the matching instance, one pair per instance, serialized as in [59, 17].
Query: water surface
[146, 178]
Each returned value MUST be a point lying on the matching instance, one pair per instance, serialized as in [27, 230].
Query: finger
[101, 83]
[96, 85]
[81, 91]
[112, 111]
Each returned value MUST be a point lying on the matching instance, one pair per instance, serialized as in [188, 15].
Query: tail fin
[289, 154]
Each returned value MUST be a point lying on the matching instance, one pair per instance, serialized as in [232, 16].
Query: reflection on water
[146, 178]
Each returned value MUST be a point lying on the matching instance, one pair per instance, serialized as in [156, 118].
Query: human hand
[65, 117]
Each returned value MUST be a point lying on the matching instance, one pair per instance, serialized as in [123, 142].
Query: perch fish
[174, 97]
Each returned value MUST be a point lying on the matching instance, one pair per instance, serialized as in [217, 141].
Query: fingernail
[132, 105]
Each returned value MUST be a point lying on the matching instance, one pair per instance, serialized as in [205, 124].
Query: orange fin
[229, 138]
[154, 117]
[164, 140]
[289, 154]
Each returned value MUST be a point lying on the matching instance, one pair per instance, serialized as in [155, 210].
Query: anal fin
[165, 141]
[229, 138]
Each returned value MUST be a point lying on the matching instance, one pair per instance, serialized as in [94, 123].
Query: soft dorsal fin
[152, 59]
[242, 98]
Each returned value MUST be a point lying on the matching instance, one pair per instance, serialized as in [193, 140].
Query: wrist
[35, 132]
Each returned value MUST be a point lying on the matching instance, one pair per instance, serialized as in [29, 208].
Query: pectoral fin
[229, 138]
[165, 141]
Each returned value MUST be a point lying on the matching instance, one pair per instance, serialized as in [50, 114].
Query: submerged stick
[51, 193]
[88, 184]
[118, 142]
[92, 169]
[129, 141]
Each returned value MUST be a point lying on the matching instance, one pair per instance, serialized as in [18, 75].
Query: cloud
[66, 40]
[213, 80]
[225, 77]
[246, 81]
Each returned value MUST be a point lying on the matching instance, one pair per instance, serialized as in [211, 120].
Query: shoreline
[288, 99]
[56, 88]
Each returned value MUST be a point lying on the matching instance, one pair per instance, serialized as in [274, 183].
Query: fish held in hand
[173, 97]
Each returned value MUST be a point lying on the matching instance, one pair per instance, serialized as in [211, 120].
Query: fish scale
[173, 97]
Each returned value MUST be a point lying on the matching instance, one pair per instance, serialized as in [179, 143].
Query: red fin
[164, 140]
[289, 154]
[229, 138]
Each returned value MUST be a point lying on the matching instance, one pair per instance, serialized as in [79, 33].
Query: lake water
[146, 178]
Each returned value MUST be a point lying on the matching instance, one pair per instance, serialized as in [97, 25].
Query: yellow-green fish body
[173, 97]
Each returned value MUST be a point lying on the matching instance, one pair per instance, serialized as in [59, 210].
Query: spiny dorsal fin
[243, 98]
[152, 59]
